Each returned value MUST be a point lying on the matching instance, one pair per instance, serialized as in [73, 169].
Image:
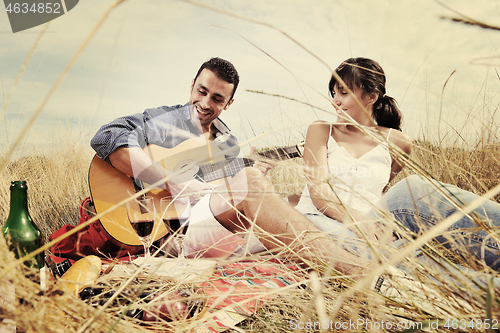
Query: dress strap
[330, 138]
[388, 134]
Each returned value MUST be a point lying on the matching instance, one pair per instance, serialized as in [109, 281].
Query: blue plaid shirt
[163, 126]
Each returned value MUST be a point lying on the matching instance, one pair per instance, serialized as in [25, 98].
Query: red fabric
[248, 285]
[92, 239]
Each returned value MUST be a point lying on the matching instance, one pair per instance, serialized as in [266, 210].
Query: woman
[349, 163]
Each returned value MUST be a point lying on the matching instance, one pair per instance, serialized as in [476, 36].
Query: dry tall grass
[327, 303]
[476, 170]
[58, 183]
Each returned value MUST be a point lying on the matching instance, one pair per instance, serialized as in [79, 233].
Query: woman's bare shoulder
[318, 132]
[320, 126]
[320, 123]
[402, 140]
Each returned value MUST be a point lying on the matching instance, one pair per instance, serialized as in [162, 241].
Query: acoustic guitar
[109, 186]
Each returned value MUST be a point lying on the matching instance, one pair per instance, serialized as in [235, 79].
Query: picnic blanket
[247, 286]
[243, 285]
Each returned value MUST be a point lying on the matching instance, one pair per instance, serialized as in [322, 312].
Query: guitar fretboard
[218, 170]
[223, 169]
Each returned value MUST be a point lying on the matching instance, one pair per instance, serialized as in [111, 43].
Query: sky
[443, 74]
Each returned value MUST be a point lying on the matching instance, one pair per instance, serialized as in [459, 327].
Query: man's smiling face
[210, 95]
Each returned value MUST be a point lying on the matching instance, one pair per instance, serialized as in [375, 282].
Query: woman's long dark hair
[369, 76]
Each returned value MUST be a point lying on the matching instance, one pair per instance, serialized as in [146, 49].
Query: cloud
[148, 51]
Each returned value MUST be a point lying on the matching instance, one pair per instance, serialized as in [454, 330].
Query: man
[226, 218]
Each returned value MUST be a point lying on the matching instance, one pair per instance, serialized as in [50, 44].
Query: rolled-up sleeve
[153, 126]
[163, 126]
[123, 132]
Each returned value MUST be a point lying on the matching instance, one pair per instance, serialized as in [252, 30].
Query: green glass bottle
[20, 232]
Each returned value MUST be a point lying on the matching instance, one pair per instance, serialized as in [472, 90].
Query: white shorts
[206, 237]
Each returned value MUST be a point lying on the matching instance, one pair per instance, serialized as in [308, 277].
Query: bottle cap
[18, 184]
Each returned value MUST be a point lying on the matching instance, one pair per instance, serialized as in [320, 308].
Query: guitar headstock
[300, 147]
[284, 153]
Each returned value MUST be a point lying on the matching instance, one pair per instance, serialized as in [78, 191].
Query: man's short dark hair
[224, 71]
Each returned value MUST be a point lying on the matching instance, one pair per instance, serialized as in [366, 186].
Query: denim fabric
[420, 204]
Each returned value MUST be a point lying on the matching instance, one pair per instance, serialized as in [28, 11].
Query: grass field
[438, 296]
[58, 182]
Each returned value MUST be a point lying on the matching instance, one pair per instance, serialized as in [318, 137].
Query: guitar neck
[283, 153]
[222, 169]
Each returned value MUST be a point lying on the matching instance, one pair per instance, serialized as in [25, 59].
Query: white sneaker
[401, 288]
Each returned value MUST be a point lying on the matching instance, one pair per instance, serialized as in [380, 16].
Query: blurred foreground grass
[58, 182]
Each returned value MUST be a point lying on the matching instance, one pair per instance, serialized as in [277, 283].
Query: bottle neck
[18, 202]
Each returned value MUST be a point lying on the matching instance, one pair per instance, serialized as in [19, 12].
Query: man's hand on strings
[194, 189]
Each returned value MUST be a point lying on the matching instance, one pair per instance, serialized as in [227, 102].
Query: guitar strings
[223, 169]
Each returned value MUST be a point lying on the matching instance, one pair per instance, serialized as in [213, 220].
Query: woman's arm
[317, 173]
[403, 142]
[322, 195]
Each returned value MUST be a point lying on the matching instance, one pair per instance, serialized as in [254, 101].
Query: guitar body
[109, 186]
